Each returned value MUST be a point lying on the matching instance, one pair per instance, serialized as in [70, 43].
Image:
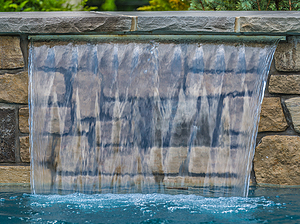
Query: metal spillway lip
[167, 38]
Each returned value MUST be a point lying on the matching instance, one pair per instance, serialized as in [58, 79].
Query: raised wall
[14, 131]
[277, 157]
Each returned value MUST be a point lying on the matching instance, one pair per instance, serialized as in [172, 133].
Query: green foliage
[270, 5]
[42, 5]
[217, 5]
[166, 5]
[117, 5]
[109, 5]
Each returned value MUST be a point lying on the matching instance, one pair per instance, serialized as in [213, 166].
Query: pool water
[264, 205]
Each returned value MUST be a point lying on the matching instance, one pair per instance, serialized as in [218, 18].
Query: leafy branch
[42, 5]
[217, 5]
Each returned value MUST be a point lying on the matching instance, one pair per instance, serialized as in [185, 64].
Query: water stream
[144, 114]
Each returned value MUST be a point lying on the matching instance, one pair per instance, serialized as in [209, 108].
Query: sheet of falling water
[142, 116]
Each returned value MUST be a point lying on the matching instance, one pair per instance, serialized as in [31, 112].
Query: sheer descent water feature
[144, 113]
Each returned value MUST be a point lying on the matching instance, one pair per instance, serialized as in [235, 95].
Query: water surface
[264, 205]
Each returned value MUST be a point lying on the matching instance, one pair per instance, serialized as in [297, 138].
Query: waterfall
[126, 114]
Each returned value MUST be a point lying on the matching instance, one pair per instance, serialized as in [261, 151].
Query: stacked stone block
[14, 140]
[276, 159]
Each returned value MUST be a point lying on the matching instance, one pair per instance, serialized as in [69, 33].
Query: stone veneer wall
[277, 157]
[14, 128]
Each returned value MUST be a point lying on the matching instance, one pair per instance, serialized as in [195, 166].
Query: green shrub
[109, 5]
[217, 5]
[166, 5]
[41, 5]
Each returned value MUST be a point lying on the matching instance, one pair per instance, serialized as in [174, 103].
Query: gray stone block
[195, 22]
[293, 106]
[268, 22]
[287, 55]
[7, 134]
[66, 22]
[185, 23]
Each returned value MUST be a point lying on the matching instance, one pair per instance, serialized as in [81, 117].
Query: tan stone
[57, 119]
[126, 181]
[271, 116]
[73, 153]
[14, 174]
[111, 132]
[175, 158]
[24, 149]
[199, 159]
[287, 84]
[156, 160]
[14, 88]
[23, 120]
[277, 160]
[293, 105]
[13, 188]
[115, 161]
[10, 53]
[188, 181]
[287, 55]
[52, 87]
[207, 160]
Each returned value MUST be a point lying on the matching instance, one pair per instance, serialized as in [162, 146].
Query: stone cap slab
[62, 22]
[164, 22]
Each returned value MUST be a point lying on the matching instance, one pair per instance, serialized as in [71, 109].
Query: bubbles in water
[151, 208]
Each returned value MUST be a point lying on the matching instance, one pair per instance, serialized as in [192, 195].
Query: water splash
[133, 115]
[278, 205]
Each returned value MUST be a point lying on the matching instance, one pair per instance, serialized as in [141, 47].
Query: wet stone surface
[7, 135]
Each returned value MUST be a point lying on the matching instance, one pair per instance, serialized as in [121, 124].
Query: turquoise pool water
[264, 205]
